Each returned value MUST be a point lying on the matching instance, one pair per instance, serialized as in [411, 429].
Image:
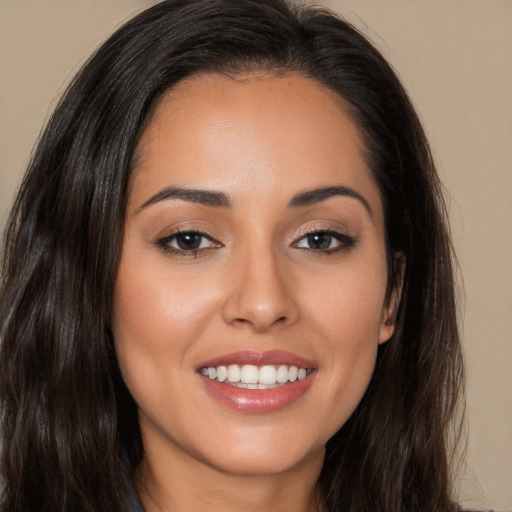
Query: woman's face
[253, 257]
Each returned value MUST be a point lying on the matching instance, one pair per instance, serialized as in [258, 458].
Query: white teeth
[268, 375]
[249, 374]
[282, 373]
[233, 373]
[253, 377]
[222, 373]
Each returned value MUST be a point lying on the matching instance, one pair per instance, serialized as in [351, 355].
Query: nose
[261, 293]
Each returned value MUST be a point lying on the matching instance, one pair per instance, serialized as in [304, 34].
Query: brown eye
[325, 242]
[187, 242]
[319, 241]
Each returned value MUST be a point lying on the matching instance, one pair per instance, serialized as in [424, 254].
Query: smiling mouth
[252, 381]
[250, 376]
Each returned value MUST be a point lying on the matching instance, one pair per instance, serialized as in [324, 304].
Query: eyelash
[164, 243]
[346, 242]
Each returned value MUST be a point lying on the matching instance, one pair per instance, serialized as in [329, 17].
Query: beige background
[455, 58]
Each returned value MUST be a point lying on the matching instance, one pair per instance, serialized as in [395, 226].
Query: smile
[257, 382]
[249, 376]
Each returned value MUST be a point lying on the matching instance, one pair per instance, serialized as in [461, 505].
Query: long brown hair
[70, 437]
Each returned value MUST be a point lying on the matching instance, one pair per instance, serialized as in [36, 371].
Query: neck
[177, 485]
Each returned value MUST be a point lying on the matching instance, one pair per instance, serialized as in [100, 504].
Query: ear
[390, 309]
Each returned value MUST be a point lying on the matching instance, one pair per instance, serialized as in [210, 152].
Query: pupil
[189, 241]
[320, 241]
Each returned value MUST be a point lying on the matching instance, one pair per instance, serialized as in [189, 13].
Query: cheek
[154, 327]
[347, 304]
[160, 311]
[347, 311]
[148, 321]
[154, 306]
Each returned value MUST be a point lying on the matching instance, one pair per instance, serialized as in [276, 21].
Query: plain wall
[455, 59]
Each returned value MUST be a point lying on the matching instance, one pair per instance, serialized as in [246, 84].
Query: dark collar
[134, 504]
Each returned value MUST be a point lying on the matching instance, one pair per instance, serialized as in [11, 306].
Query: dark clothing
[134, 504]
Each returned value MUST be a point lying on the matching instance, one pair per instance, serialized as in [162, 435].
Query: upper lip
[258, 358]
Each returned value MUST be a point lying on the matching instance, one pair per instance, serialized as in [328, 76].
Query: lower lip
[257, 400]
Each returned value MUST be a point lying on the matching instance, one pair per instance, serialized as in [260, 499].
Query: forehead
[260, 131]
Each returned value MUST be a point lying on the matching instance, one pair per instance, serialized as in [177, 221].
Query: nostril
[260, 324]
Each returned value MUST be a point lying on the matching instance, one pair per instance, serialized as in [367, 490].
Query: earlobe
[389, 314]
[387, 324]
[386, 331]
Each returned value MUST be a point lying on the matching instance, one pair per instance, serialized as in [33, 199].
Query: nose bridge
[260, 295]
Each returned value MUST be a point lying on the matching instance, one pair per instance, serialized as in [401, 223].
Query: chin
[266, 460]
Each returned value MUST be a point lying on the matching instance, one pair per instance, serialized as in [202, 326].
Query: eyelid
[323, 227]
[346, 241]
[163, 243]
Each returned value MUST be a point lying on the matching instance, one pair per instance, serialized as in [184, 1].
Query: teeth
[249, 374]
[222, 373]
[233, 373]
[253, 377]
[268, 375]
[283, 373]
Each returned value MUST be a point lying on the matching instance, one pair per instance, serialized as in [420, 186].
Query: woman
[227, 280]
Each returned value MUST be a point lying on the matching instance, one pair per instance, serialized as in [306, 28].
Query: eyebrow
[310, 197]
[221, 200]
[193, 195]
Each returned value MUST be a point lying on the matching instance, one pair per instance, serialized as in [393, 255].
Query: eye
[187, 242]
[325, 241]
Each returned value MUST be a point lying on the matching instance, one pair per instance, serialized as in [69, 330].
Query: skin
[256, 283]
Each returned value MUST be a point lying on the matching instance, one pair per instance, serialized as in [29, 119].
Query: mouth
[250, 381]
[250, 376]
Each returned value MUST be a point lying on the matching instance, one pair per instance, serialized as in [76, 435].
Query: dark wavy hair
[69, 428]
